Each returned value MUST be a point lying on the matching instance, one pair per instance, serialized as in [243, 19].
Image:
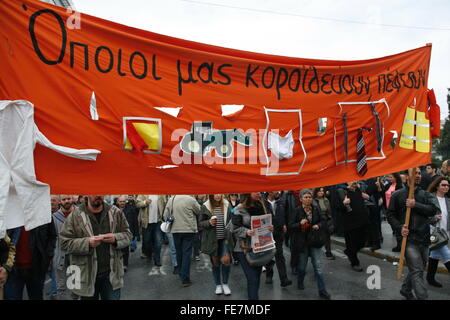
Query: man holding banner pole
[417, 233]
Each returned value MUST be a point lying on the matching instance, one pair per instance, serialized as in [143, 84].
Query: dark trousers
[253, 275]
[197, 243]
[183, 245]
[355, 240]
[18, 280]
[278, 236]
[416, 257]
[104, 290]
[294, 254]
[374, 226]
[152, 241]
[126, 255]
[328, 243]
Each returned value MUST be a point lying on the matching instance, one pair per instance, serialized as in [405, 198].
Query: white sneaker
[226, 289]
[219, 289]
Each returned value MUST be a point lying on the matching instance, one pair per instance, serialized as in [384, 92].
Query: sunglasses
[445, 185]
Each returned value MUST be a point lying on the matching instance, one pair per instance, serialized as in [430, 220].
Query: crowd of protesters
[96, 234]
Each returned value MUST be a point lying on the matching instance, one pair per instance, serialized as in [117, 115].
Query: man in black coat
[277, 204]
[34, 253]
[131, 212]
[418, 233]
[354, 221]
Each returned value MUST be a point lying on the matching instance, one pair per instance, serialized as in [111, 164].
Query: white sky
[286, 31]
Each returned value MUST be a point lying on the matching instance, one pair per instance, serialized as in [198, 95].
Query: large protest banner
[100, 85]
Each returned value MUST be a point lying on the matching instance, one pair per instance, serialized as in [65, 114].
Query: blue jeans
[13, 289]
[183, 244]
[442, 253]
[104, 290]
[54, 282]
[152, 241]
[222, 269]
[173, 251]
[315, 254]
[133, 244]
[416, 257]
[253, 275]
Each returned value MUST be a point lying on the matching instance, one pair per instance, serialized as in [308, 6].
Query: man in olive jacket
[185, 210]
[94, 236]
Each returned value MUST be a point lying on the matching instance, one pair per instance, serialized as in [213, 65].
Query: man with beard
[94, 236]
[418, 232]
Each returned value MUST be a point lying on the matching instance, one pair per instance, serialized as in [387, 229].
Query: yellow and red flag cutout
[142, 134]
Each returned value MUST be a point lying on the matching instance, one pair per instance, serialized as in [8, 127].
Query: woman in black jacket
[308, 218]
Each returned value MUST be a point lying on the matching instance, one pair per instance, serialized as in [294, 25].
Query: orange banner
[100, 85]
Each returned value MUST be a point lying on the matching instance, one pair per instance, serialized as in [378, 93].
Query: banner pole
[412, 180]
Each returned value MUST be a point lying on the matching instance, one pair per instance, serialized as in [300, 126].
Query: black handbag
[259, 259]
[316, 238]
[438, 238]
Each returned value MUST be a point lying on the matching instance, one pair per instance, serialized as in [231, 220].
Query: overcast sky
[298, 28]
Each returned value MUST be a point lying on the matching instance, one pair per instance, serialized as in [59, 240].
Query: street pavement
[145, 281]
[389, 242]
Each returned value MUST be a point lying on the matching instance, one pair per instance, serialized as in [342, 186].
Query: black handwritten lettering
[314, 80]
[339, 82]
[31, 29]
[305, 75]
[422, 77]
[119, 64]
[412, 78]
[249, 76]
[263, 78]
[209, 67]
[144, 61]
[291, 76]
[182, 80]
[349, 80]
[226, 76]
[282, 73]
[324, 83]
[154, 68]
[111, 59]
[72, 54]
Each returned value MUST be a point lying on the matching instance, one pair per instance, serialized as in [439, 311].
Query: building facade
[62, 3]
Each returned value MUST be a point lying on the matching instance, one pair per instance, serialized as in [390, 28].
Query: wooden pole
[412, 180]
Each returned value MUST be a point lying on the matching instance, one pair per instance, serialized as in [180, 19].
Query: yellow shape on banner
[407, 138]
[422, 133]
[149, 132]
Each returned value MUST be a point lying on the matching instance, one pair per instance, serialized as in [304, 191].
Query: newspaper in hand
[262, 240]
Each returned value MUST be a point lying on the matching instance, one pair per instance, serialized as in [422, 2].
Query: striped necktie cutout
[361, 160]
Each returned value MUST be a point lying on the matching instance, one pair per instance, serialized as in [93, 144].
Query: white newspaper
[263, 238]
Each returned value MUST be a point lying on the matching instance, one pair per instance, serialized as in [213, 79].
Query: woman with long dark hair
[251, 205]
[216, 241]
[439, 187]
